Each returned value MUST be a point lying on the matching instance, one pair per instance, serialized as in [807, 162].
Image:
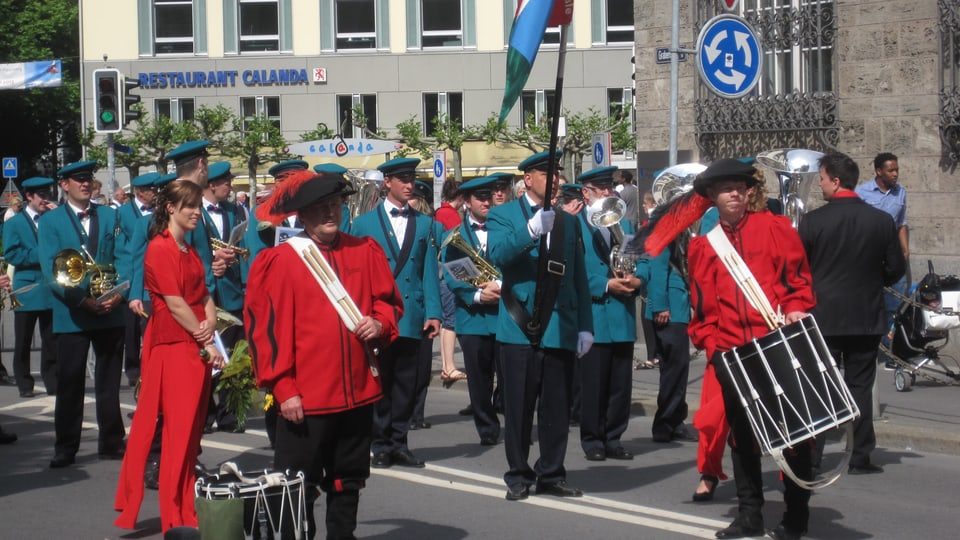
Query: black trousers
[399, 365]
[606, 375]
[857, 355]
[133, 334]
[24, 323]
[747, 473]
[333, 451]
[424, 374]
[71, 385]
[531, 374]
[674, 346]
[480, 358]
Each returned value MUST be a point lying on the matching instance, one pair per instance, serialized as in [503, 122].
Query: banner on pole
[25, 75]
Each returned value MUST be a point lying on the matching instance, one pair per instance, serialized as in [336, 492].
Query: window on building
[176, 109]
[551, 36]
[173, 26]
[259, 25]
[356, 24]
[619, 21]
[795, 59]
[441, 23]
[436, 104]
[620, 104]
[253, 106]
[347, 107]
[536, 105]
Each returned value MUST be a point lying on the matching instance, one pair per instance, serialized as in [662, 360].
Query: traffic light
[130, 100]
[107, 86]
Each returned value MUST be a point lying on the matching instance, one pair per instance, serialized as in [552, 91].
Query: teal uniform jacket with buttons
[60, 229]
[21, 250]
[128, 214]
[419, 278]
[228, 289]
[472, 319]
[512, 250]
[614, 316]
[666, 289]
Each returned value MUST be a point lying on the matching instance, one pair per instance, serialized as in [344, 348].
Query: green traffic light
[107, 117]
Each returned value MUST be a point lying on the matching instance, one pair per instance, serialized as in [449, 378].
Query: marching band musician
[538, 366]
[20, 249]
[409, 240]
[772, 250]
[260, 236]
[145, 194]
[81, 320]
[476, 311]
[179, 353]
[323, 381]
[333, 168]
[606, 369]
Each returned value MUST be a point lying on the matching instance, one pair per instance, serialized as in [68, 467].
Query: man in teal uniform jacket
[81, 319]
[20, 250]
[409, 240]
[476, 310]
[539, 367]
[606, 370]
[141, 204]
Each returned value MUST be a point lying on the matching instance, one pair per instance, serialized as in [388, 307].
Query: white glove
[584, 342]
[541, 223]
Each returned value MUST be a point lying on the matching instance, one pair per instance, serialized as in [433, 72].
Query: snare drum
[790, 388]
[274, 504]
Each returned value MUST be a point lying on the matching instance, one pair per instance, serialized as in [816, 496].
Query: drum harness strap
[266, 479]
[743, 276]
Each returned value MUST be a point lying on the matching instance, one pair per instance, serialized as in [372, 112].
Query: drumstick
[753, 292]
[323, 270]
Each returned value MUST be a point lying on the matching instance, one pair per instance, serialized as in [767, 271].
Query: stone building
[858, 76]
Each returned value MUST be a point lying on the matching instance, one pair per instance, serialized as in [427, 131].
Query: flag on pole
[529, 25]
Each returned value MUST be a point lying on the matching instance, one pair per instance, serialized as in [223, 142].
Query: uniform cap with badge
[187, 151]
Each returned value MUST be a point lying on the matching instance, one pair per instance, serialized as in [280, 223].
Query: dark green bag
[220, 519]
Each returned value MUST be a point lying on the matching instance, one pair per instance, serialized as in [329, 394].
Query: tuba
[70, 267]
[367, 184]
[675, 181]
[796, 169]
[607, 213]
[488, 272]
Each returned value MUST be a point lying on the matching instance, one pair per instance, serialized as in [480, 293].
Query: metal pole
[674, 80]
[111, 168]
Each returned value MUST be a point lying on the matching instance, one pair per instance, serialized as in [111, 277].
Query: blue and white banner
[45, 74]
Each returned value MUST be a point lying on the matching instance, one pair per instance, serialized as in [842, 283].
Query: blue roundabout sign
[729, 56]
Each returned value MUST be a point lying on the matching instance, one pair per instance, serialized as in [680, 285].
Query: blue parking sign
[10, 167]
[729, 57]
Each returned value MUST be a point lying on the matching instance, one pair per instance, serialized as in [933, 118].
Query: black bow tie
[394, 212]
[36, 218]
[85, 213]
[534, 208]
[478, 226]
[213, 208]
[144, 208]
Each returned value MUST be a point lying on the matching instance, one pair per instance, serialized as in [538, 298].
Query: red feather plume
[673, 220]
[271, 210]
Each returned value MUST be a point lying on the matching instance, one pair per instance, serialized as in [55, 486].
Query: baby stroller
[922, 328]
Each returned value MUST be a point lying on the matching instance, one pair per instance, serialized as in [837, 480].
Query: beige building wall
[887, 82]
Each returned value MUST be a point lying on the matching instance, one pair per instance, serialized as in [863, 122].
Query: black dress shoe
[706, 495]
[420, 424]
[517, 493]
[116, 454]
[27, 394]
[558, 489]
[596, 454]
[619, 452]
[662, 437]
[742, 528]
[60, 461]
[381, 460]
[466, 411]
[782, 532]
[685, 433]
[405, 458]
[207, 430]
[151, 475]
[6, 437]
[5, 380]
[866, 468]
[489, 440]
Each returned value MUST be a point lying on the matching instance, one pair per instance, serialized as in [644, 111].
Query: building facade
[304, 63]
[857, 76]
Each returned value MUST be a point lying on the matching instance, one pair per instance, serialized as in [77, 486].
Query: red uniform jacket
[722, 317]
[299, 344]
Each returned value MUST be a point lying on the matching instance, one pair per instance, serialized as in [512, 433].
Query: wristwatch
[204, 354]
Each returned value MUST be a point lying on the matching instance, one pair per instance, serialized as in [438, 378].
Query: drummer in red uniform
[321, 376]
[723, 319]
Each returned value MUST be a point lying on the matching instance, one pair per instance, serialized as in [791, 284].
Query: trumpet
[216, 244]
[488, 272]
[607, 213]
[70, 267]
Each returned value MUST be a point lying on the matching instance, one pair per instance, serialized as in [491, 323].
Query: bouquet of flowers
[239, 382]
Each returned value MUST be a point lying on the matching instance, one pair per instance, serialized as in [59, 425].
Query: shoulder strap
[743, 276]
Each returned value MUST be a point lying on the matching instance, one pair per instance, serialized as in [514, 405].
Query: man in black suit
[854, 252]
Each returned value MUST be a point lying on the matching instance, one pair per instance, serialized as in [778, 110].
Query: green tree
[319, 133]
[255, 140]
[42, 122]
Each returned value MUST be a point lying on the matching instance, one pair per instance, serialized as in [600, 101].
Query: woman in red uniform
[178, 354]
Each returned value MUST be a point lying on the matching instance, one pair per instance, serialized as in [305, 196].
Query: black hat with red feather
[300, 189]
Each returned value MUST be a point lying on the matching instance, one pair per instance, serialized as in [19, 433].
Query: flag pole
[544, 255]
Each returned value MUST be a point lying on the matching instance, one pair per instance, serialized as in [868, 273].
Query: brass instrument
[226, 320]
[607, 213]
[70, 267]
[675, 181]
[367, 183]
[242, 253]
[797, 170]
[488, 272]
